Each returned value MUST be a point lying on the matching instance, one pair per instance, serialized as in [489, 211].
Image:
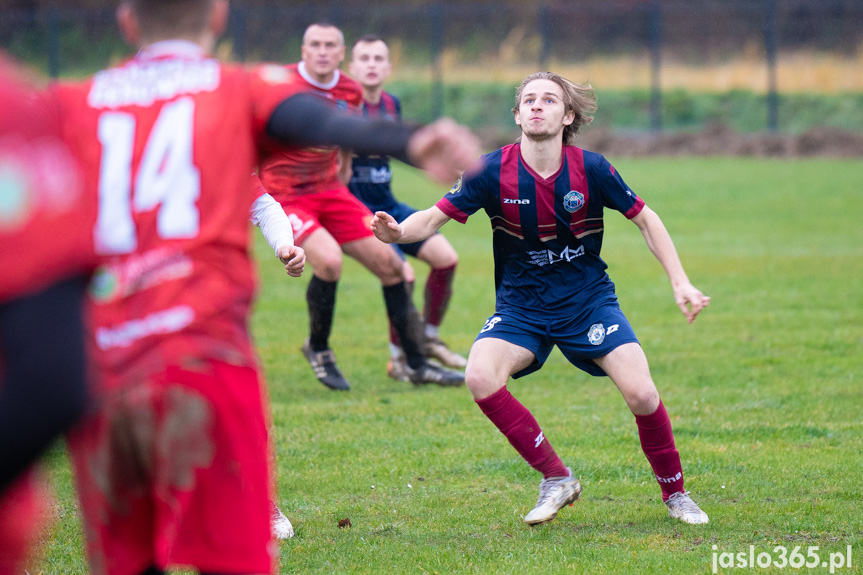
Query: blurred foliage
[487, 106]
[441, 49]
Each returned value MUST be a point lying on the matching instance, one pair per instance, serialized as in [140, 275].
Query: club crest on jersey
[456, 187]
[13, 197]
[105, 284]
[596, 334]
[573, 201]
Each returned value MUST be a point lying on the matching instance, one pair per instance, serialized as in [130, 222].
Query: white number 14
[166, 178]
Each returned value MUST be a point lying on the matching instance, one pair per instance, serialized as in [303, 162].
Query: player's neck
[543, 156]
[323, 79]
[324, 82]
[372, 95]
[206, 41]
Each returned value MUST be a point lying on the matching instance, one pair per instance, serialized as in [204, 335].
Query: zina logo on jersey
[573, 201]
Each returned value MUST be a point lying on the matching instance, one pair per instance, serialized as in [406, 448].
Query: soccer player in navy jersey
[545, 198]
[371, 184]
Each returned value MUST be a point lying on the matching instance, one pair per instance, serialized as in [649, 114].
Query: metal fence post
[238, 32]
[544, 35]
[655, 24]
[53, 33]
[770, 49]
[437, 45]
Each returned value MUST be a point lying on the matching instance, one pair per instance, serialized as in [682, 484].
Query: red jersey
[44, 227]
[295, 170]
[167, 141]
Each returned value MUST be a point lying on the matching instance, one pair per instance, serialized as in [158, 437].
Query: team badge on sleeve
[456, 187]
[573, 201]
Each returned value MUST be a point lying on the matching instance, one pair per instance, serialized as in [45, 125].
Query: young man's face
[323, 51]
[541, 112]
[370, 63]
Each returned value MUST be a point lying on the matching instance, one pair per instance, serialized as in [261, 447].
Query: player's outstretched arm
[688, 298]
[268, 215]
[416, 227]
[444, 149]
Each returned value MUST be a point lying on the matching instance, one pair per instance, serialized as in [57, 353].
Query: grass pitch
[765, 392]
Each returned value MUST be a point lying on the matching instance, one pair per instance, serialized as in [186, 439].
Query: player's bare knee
[481, 381]
[328, 267]
[448, 260]
[390, 271]
[643, 400]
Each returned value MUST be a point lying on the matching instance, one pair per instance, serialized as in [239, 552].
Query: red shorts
[173, 471]
[338, 211]
[23, 513]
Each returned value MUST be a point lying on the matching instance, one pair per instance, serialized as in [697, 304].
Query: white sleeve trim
[268, 215]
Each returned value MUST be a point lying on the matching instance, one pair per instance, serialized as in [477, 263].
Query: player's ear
[128, 23]
[569, 118]
[517, 118]
[219, 17]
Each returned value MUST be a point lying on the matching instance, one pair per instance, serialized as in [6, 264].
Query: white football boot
[282, 527]
[681, 506]
[554, 494]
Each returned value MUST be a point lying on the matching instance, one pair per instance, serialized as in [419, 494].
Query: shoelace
[546, 486]
[322, 357]
[686, 504]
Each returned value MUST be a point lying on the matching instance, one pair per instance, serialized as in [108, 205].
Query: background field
[764, 391]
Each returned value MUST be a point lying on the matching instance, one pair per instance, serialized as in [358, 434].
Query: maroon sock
[657, 441]
[437, 294]
[523, 432]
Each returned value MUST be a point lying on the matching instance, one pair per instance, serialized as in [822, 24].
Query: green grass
[764, 391]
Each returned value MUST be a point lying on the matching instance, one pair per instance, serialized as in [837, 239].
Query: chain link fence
[754, 65]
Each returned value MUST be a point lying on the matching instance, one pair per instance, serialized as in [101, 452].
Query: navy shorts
[400, 212]
[579, 339]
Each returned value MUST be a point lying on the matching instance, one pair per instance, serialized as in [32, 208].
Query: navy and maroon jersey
[547, 232]
[371, 180]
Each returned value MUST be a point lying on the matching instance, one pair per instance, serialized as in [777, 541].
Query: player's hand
[386, 228]
[294, 259]
[444, 150]
[690, 300]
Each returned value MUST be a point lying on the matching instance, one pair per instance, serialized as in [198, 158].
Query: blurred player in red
[310, 183]
[46, 254]
[172, 467]
[371, 184]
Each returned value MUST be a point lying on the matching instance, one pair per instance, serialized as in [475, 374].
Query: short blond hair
[578, 98]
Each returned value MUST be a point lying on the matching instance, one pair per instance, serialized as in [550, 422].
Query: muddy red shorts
[23, 514]
[172, 471]
[337, 211]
